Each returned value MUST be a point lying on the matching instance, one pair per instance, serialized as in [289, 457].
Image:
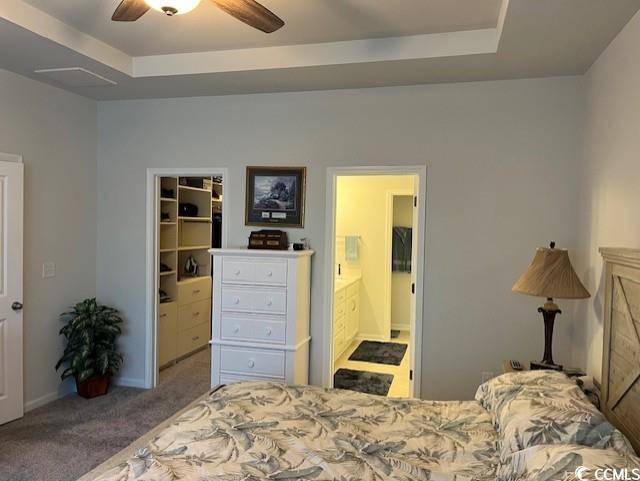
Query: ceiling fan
[247, 11]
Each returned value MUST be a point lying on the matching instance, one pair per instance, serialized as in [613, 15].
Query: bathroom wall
[401, 281]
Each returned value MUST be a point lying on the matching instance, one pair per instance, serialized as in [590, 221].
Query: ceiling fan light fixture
[173, 7]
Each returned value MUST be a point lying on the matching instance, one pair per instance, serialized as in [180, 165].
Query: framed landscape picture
[275, 196]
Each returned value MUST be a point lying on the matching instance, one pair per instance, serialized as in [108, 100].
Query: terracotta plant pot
[94, 386]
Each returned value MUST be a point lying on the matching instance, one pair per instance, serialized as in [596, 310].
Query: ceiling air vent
[76, 77]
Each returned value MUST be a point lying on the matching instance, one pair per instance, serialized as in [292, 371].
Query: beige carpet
[68, 438]
[141, 442]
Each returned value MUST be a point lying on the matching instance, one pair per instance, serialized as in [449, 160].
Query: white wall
[361, 209]
[401, 281]
[611, 195]
[55, 132]
[501, 163]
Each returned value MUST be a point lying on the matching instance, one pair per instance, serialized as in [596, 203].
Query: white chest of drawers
[260, 316]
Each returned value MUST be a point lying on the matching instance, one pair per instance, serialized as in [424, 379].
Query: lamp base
[549, 312]
[543, 365]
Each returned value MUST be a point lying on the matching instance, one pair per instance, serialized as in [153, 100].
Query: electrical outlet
[487, 375]
[48, 270]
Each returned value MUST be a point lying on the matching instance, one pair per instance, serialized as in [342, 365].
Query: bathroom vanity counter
[346, 313]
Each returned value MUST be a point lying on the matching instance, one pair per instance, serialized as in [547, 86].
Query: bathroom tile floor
[400, 386]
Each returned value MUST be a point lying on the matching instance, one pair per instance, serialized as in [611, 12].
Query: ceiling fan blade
[130, 11]
[251, 13]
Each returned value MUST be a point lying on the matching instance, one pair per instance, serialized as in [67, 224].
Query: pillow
[561, 462]
[566, 418]
[495, 392]
[531, 408]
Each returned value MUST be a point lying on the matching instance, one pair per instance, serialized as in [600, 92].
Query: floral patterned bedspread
[265, 431]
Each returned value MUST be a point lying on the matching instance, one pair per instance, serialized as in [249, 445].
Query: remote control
[515, 365]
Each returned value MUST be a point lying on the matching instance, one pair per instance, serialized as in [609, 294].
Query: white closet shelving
[184, 311]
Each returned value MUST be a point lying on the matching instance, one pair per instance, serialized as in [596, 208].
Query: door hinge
[415, 201]
[410, 374]
[413, 288]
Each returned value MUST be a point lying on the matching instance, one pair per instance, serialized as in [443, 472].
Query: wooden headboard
[621, 350]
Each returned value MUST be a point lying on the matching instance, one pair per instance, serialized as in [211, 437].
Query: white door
[11, 211]
[414, 269]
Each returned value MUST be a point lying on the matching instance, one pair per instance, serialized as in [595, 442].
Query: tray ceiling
[325, 44]
[307, 21]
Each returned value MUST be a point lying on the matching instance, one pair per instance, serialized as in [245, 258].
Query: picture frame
[275, 196]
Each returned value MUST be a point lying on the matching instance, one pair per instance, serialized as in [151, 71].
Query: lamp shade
[551, 275]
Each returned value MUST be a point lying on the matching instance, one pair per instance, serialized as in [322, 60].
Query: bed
[264, 430]
[535, 425]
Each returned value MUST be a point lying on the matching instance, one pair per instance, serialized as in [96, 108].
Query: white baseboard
[129, 382]
[46, 399]
[401, 327]
[55, 395]
[371, 337]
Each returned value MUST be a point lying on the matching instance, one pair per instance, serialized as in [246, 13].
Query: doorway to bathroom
[375, 220]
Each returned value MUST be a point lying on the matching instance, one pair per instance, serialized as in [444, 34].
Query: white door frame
[391, 194]
[332, 173]
[151, 292]
[13, 398]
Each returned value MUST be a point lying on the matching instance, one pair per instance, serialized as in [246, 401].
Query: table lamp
[550, 275]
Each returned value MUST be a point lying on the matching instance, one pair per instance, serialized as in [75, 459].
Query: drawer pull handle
[236, 329]
[270, 302]
[269, 274]
[236, 300]
[268, 331]
[196, 314]
[162, 315]
[237, 272]
[196, 291]
[251, 363]
[195, 338]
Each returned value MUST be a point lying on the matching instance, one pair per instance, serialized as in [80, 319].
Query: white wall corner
[502, 16]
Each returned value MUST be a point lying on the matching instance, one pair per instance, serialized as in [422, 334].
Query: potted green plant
[91, 354]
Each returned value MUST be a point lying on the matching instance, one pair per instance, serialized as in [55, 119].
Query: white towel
[351, 248]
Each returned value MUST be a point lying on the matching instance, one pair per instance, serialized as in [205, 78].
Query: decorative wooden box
[268, 239]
